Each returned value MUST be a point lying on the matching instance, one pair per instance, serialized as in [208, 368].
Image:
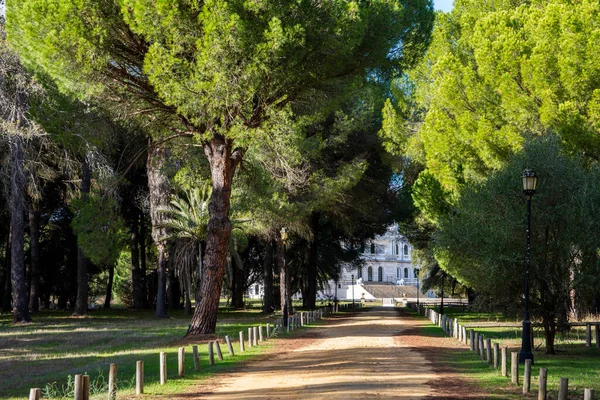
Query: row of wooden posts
[256, 334]
[490, 352]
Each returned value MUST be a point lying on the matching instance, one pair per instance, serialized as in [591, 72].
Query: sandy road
[355, 357]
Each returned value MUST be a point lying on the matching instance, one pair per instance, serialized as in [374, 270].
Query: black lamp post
[529, 185]
[352, 290]
[418, 287]
[284, 237]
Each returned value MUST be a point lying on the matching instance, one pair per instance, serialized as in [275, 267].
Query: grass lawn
[44, 353]
[572, 360]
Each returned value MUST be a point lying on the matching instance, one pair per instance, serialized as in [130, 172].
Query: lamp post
[418, 287]
[529, 184]
[284, 237]
[352, 290]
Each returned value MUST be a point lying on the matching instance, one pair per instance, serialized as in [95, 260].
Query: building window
[370, 274]
[396, 249]
[406, 272]
[397, 272]
[372, 248]
[339, 285]
[405, 250]
[380, 274]
[416, 273]
[360, 272]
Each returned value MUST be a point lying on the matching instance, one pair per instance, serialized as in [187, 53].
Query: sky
[443, 5]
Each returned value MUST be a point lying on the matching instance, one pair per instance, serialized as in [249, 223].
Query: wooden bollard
[242, 342]
[229, 346]
[211, 355]
[112, 381]
[514, 367]
[588, 335]
[302, 319]
[465, 339]
[496, 351]
[196, 358]
[218, 348]
[250, 337]
[268, 330]
[563, 389]
[78, 383]
[181, 362]
[588, 394]
[260, 333]
[139, 377]
[542, 382]
[163, 367]
[527, 376]
[481, 348]
[597, 340]
[255, 336]
[488, 351]
[504, 361]
[471, 340]
[476, 342]
[86, 387]
[34, 393]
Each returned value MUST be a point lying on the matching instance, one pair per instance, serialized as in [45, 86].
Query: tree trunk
[158, 185]
[238, 279]
[17, 223]
[34, 247]
[172, 289]
[284, 280]
[136, 273]
[81, 304]
[223, 162]
[142, 244]
[549, 333]
[109, 286]
[268, 302]
[313, 260]
[7, 297]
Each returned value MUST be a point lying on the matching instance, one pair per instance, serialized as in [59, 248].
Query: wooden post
[34, 393]
[471, 340]
[527, 376]
[488, 351]
[250, 337]
[465, 339]
[112, 381]
[255, 336]
[496, 351]
[481, 348]
[588, 335]
[514, 367]
[181, 362]
[229, 346]
[268, 330]
[78, 393]
[543, 381]
[196, 358]
[563, 389]
[86, 387]
[218, 348]
[139, 377]
[588, 394]
[242, 341]
[597, 340]
[302, 319]
[163, 367]
[504, 361]
[211, 355]
[260, 333]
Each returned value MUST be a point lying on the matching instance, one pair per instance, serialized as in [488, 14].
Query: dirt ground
[374, 353]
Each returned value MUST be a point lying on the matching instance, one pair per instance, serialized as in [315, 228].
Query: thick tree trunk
[238, 280]
[268, 301]
[549, 333]
[17, 223]
[34, 248]
[81, 304]
[136, 272]
[313, 260]
[7, 297]
[158, 185]
[284, 281]
[223, 162]
[109, 286]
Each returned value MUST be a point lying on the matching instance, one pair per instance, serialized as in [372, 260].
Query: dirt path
[355, 357]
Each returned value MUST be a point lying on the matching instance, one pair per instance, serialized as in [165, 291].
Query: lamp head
[529, 182]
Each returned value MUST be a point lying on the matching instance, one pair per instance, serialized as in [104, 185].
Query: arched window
[372, 248]
[370, 274]
[380, 274]
[406, 250]
[397, 272]
[359, 272]
[406, 272]
[416, 272]
[396, 249]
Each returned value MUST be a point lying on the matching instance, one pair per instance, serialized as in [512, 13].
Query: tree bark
[142, 244]
[268, 301]
[34, 248]
[7, 297]
[284, 281]
[136, 273]
[17, 223]
[109, 286]
[313, 260]
[223, 161]
[158, 185]
[81, 304]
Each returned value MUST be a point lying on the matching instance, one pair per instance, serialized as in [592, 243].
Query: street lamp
[352, 290]
[529, 185]
[417, 287]
[284, 237]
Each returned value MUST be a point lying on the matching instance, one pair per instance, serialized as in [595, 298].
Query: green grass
[56, 345]
[573, 360]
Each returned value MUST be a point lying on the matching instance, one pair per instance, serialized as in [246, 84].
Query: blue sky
[443, 5]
